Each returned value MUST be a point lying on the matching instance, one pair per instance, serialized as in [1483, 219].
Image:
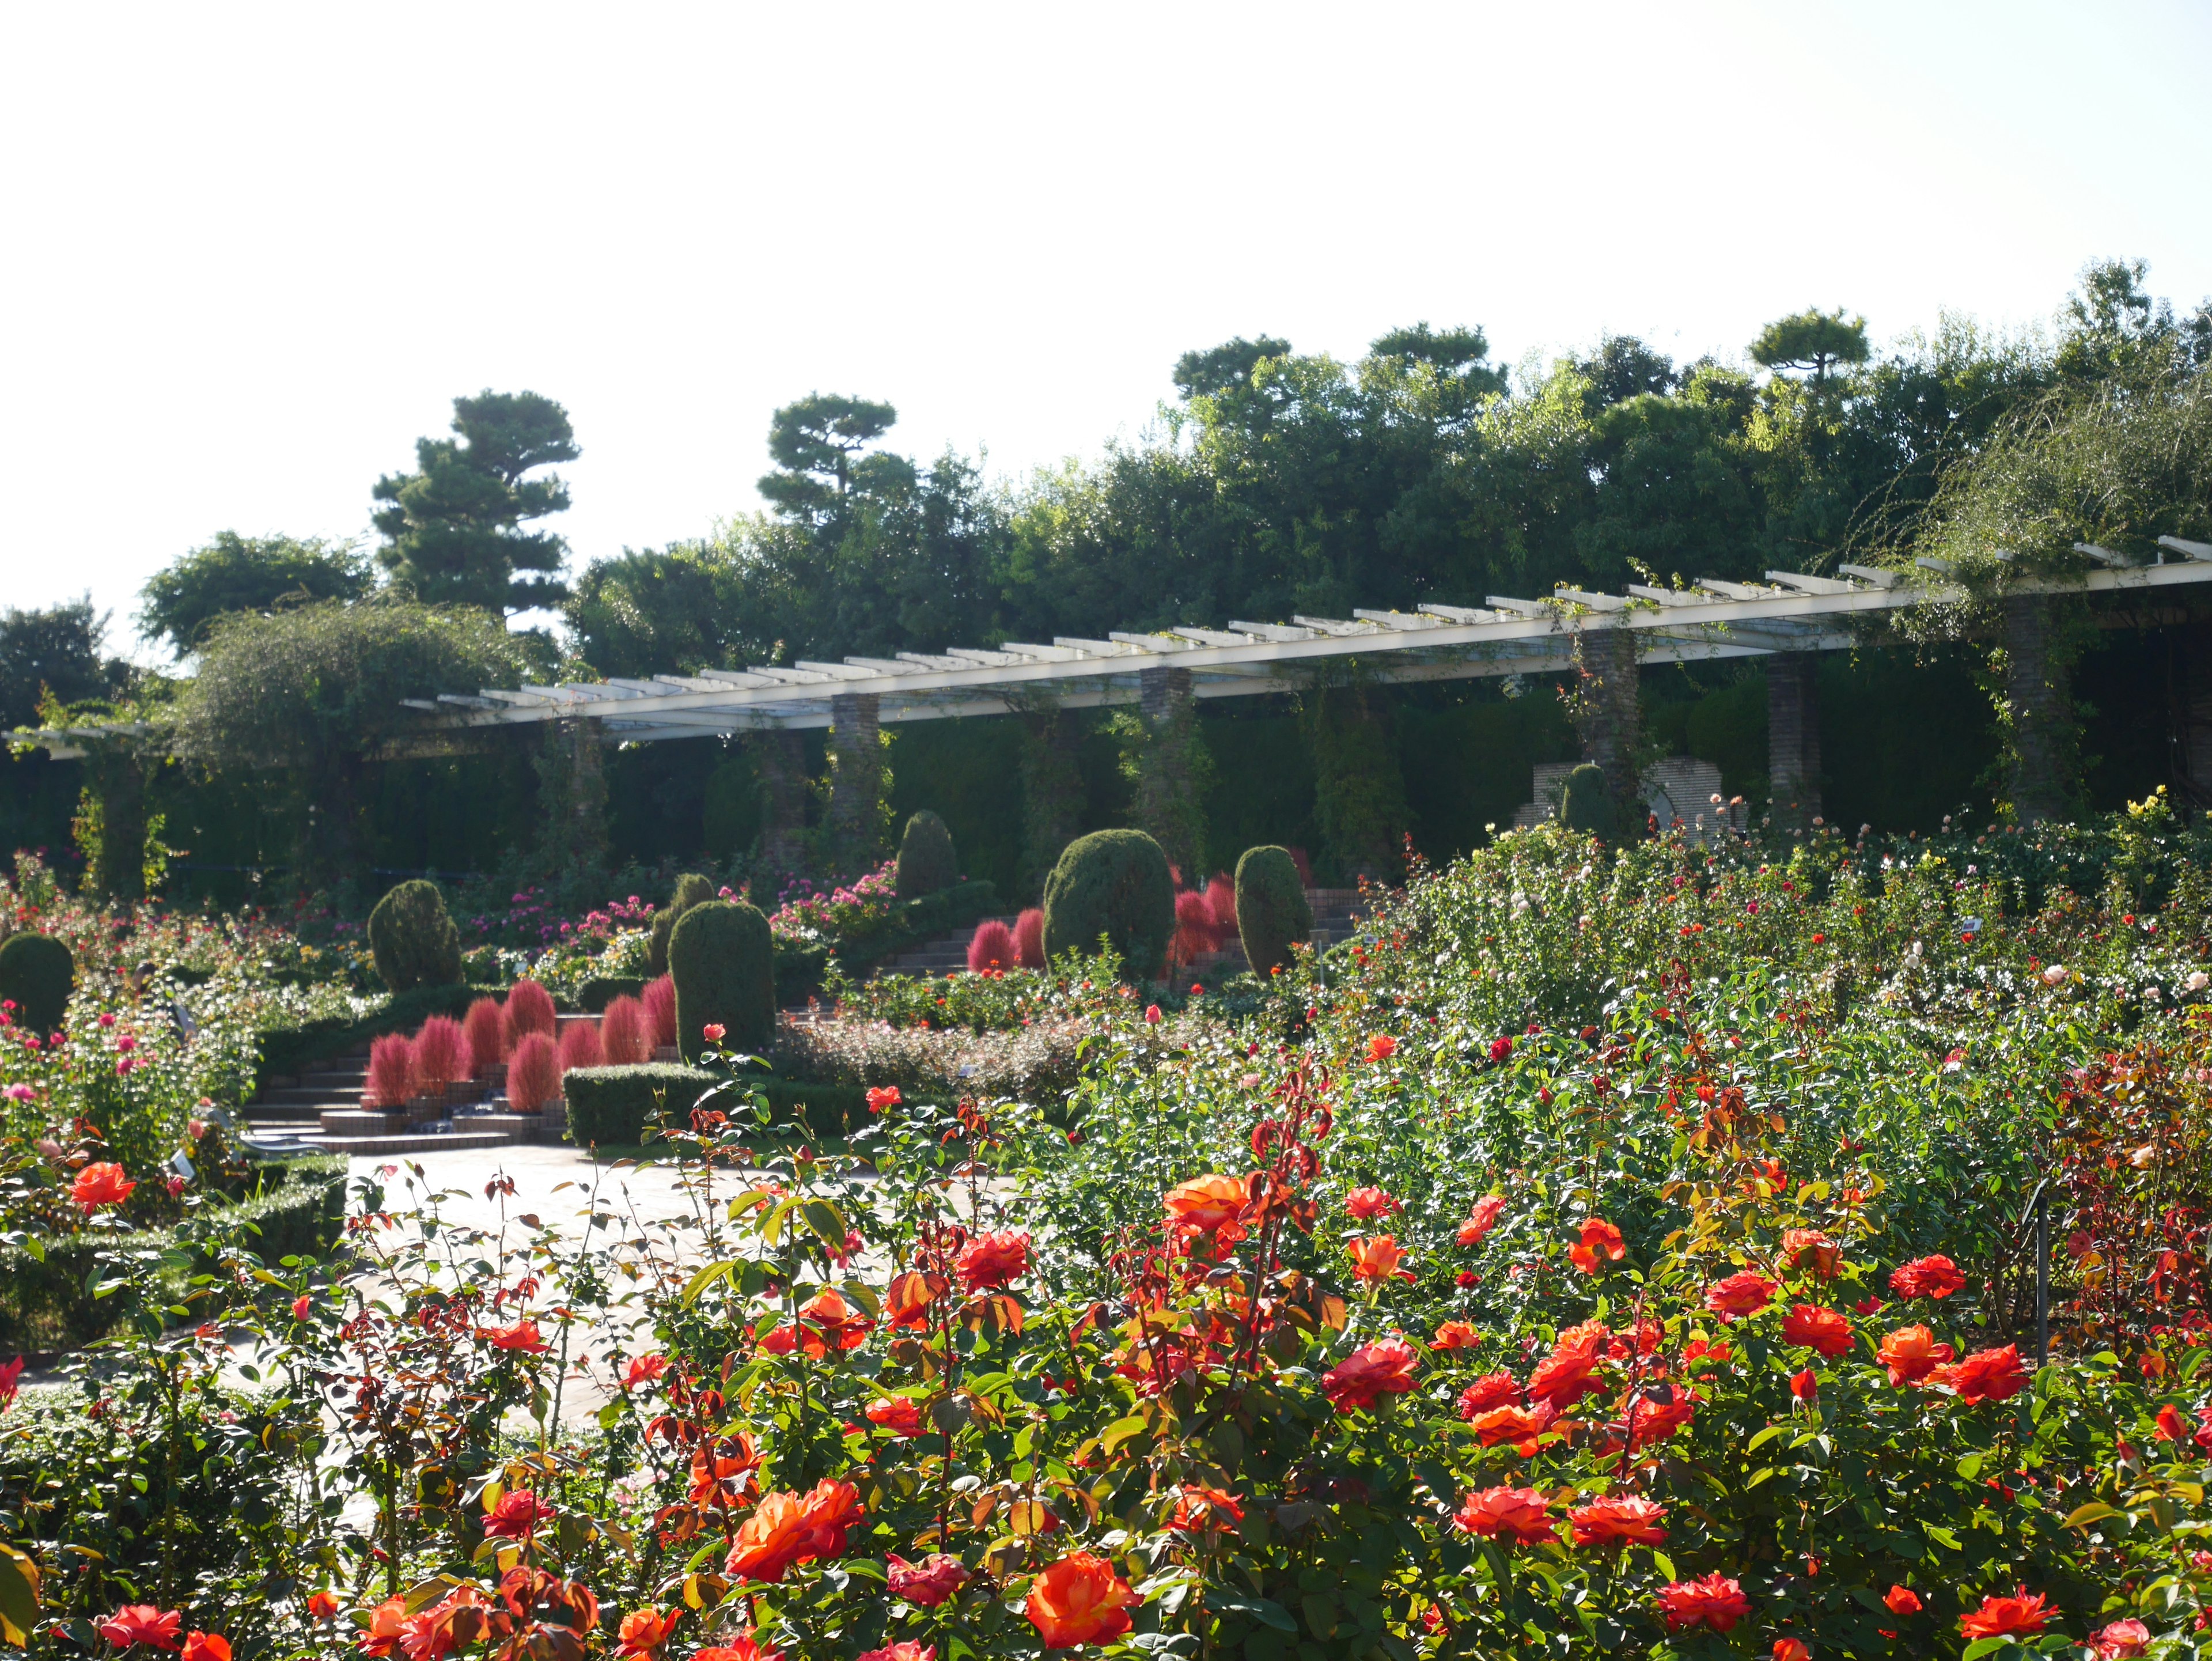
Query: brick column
[1172, 772]
[2038, 715]
[1793, 737]
[1609, 718]
[856, 763]
[780, 761]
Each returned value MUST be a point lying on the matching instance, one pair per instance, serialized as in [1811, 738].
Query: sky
[252, 252]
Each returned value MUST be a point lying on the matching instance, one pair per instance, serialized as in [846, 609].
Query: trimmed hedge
[612, 1106]
[1272, 912]
[36, 974]
[691, 888]
[412, 939]
[723, 960]
[1116, 884]
[47, 1304]
[926, 862]
[593, 996]
[289, 1049]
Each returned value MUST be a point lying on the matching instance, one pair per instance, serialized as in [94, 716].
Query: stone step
[454, 1141]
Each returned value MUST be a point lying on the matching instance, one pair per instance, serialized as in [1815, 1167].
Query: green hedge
[612, 1106]
[47, 1304]
[285, 1050]
[593, 996]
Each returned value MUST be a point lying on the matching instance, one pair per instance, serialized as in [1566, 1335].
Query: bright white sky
[251, 252]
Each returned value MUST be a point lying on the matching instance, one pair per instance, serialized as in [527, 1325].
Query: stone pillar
[2039, 714]
[781, 760]
[1173, 771]
[1609, 717]
[856, 767]
[1793, 737]
[1052, 793]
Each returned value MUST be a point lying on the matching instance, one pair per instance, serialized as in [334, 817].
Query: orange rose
[1518, 1428]
[1825, 1330]
[1618, 1523]
[1809, 1248]
[832, 1508]
[1080, 1600]
[1382, 1368]
[1456, 1334]
[387, 1622]
[1716, 1601]
[1912, 1353]
[322, 1606]
[991, 1260]
[100, 1184]
[1646, 1420]
[205, 1646]
[2022, 1616]
[776, 1535]
[1492, 1391]
[1600, 1244]
[842, 1326]
[899, 1415]
[1481, 1219]
[1377, 1259]
[1522, 1516]
[1927, 1277]
[1743, 1293]
[1902, 1600]
[1198, 1507]
[1989, 1375]
[1204, 1203]
[1365, 1202]
[522, 1338]
[644, 1631]
[1381, 1047]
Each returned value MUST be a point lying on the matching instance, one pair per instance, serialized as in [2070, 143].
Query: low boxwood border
[614, 1106]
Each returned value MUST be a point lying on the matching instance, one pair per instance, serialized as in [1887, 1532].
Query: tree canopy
[54, 652]
[235, 573]
[453, 530]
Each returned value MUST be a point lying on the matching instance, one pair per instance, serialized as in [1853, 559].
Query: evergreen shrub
[595, 994]
[1585, 805]
[926, 861]
[614, 1106]
[723, 961]
[1272, 912]
[36, 974]
[691, 888]
[1117, 883]
[412, 940]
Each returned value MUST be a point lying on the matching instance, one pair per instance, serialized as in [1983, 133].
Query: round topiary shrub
[412, 940]
[691, 888]
[1272, 912]
[37, 972]
[1586, 804]
[926, 863]
[1113, 883]
[723, 962]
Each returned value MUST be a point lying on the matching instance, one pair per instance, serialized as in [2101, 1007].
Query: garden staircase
[940, 954]
[321, 1109]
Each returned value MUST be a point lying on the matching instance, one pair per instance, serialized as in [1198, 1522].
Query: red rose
[899, 1415]
[712, 1031]
[1600, 1243]
[1495, 1390]
[1481, 1219]
[2123, 1640]
[1825, 1330]
[142, 1623]
[1518, 1516]
[98, 1185]
[1927, 1277]
[1989, 1375]
[1745, 1292]
[927, 1583]
[522, 1338]
[1522, 1429]
[517, 1515]
[2021, 1616]
[1383, 1368]
[1365, 1202]
[1621, 1522]
[991, 1260]
[1381, 1047]
[1716, 1601]
[882, 1096]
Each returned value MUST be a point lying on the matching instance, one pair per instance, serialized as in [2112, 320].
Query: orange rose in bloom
[322, 1606]
[832, 1508]
[882, 1096]
[644, 1631]
[1600, 1243]
[141, 1623]
[841, 1325]
[1645, 1421]
[1456, 1334]
[1791, 1649]
[1809, 1248]
[101, 1185]
[908, 1298]
[905, 1650]
[387, 1623]
[1618, 1523]
[522, 1338]
[1385, 1367]
[1567, 1375]
[1365, 1202]
[899, 1415]
[1522, 1516]
[1204, 1203]
[1745, 1292]
[1481, 1219]
[1493, 1391]
[516, 1516]
[1377, 1259]
[775, 1536]
[2022, 1616]
[1912, 1353]
[1080, 1600]
[747, 1648]
[991, 1260]
[1902, 1600]
[1927, 1277]
[1716, 1601]
[1518, 1428]
[1198, 1507]
[1381, 1047]
[1989, 1375]
[1823, 1329]
[206, 1646]
[2123, 1640]
[928, 1583]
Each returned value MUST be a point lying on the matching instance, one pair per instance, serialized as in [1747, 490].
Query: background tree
[57, 652]
[318, 688]
[453, 532]
[1816, 340]
[245, 573]
[1216, 369]
[818, 445]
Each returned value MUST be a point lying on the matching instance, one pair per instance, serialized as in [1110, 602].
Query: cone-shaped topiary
[1272, 912]
[580, 1047]
[723, 962]
[390, 1082]
[926, 862]
[441, 1054]
[691, 888]
[1113, 883]
[412, 940]
[1586, 804]
[36, 974]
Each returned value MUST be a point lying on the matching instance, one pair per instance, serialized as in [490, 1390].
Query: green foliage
[1272, 912]
[452, 531]
[1113, 884]
[723, 959]
[1816, 340]
[1203, 374]
[54, 653]
[731, 819]
[1360, 790]
[614, 1106]
[245, 573]
[413, 940]
[817, 444]
[37, 973]
[647, 612]
[926, 862]
[1585, 805]
[691, 888]
[596, 993]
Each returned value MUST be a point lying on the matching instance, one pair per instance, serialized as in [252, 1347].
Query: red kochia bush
[580, 1047]
[485, 1028]
[1194, 934]
[534, 1075]
[1029, 938]
[529, 1009]
[441, 1054]
[624, 1038]
[1221, 902]
[391, 1072]
[993, 947]
[660, 1009]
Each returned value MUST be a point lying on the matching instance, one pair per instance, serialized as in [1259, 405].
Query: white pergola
[1712, 619]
